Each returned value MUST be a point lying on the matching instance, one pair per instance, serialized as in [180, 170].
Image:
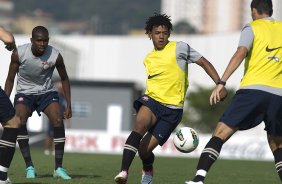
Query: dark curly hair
[158, 20]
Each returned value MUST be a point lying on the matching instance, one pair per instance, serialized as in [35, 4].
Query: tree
[199, 114]
[183, 27]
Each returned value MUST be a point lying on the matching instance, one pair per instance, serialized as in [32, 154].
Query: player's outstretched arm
[211, 71]
[65, 85]
[7, 38]
[234, 62]
[13, 69]
[209, 68]
[218, 93]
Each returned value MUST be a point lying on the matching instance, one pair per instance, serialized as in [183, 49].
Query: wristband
[220, 82]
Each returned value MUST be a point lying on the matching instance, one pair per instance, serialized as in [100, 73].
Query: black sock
[23, 141]
[148, 162]
[7, 150]
[208, 157]
[278, 161]
[130, 149]
[59, 142]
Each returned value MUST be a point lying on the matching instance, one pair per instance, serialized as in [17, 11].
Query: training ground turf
[101, 169]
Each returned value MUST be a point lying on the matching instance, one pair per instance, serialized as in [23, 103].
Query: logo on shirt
[46, 65]
[152, 76]
[267, 49]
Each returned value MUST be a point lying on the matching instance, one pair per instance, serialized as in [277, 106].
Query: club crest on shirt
[46, 65]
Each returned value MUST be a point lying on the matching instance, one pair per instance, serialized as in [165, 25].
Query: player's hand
[218, 94]
[67, 113]
[10, 46]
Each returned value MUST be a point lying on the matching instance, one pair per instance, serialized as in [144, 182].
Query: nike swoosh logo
[181, 145]
[271, 49]
[152, 76]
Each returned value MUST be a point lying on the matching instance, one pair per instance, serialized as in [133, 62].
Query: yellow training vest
[263, 66]
[166, 82]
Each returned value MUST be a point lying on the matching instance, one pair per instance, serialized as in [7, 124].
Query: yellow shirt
[167, 71]
[263, 66]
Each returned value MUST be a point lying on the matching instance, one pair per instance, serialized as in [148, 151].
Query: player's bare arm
[210, 70]
[234, 63]
[61, 68]
[208, 67]
[13, 69]
[8, 39]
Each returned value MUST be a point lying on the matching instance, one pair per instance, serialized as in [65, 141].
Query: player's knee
[22, 119]
[140, 127]
[275, 142]
[57, 122]
[14, 122]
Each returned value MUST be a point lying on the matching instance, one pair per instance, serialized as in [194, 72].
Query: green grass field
[101, 169]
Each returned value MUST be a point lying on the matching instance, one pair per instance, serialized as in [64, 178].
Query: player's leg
[145, 151]
[242, 113]
[275, 144]
[168, 119]
[24, 112]
[211, 151]
[144, 121]
[10, 124]
[48, 142]
[7, 146]
[53, 112]
[273, 126]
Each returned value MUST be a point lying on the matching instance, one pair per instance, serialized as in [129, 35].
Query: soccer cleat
[193, 182]
[147, 177]
[30, 172]
[61, 173]
[121, 178]
[7, 181]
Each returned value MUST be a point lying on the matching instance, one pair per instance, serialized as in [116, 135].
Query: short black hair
[263, 6]
[158, 20]
[39, 29]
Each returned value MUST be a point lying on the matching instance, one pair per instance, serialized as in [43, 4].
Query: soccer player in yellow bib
[260, 95]
[160, 109]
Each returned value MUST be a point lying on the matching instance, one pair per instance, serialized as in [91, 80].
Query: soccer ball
[186, 139]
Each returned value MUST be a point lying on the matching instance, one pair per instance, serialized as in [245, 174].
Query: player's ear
[150, 35]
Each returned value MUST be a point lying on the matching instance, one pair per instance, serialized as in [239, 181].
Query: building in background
[6, 12]
[211, 16]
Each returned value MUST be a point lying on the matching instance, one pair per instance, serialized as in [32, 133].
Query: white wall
[120, 58]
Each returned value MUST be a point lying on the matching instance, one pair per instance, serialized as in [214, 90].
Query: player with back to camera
[260, 95]
[8, 118]
[34, 64]
[160, 109]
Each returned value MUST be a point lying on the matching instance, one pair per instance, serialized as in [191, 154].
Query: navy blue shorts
[7, 110]
[167, 118]
[249, 108]
[37, 102]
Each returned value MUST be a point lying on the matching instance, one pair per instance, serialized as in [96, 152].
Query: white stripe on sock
[201, 172]
[3, 169]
